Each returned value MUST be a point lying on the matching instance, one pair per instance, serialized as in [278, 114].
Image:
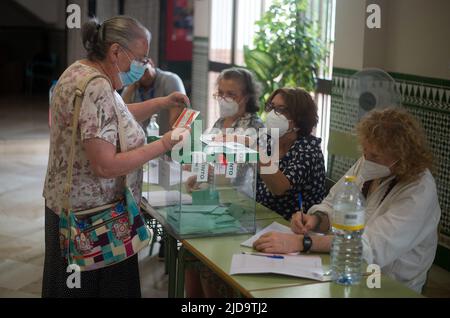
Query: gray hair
[97, 38]
[249, 85]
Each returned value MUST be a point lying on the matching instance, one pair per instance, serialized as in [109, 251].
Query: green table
[389, 289]
[216, 253]
[264, 217]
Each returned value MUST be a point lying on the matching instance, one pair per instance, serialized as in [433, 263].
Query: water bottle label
[349, 221]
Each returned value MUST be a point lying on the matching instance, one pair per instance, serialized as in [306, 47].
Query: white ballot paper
[186, 118]
[166, 198]
[292, 265]
[274, 227]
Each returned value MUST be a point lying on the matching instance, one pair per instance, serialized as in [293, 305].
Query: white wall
[349, 37]
[419, 37]
[201, 18]
[375, 46]
[414, 37]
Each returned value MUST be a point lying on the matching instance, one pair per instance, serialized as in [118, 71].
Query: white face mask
[277, 121]
[371, 170]
[227, 108]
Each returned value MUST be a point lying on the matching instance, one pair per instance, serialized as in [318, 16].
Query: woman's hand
[276, 242]
[176, 99]
[192, 184]
[172, 137]
[219, 137]
[302, 223]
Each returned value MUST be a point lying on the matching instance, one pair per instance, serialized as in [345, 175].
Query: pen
[300, 205]
[300, 202]
[265, 255]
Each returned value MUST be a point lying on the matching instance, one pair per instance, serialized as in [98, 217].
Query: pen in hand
[300, 205]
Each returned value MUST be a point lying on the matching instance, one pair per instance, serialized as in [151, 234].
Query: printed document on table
[292, 265]
[274, 227]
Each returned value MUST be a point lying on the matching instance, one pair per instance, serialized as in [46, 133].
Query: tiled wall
[429, 100]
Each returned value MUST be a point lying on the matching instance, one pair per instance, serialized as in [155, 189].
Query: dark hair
[97, 38]
[301, 108]
[250, 87]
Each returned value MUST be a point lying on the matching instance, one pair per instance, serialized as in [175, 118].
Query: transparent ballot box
[206, 193]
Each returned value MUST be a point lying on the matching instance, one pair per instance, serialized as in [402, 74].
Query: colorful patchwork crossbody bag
[104, 235]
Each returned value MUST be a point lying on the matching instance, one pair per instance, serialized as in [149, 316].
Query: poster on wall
[179, 30]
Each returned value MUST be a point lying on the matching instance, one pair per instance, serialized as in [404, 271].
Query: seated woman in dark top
[301, 169]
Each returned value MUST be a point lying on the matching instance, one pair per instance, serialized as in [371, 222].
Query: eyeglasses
[145, 60]
[226, 97]
[279, 110]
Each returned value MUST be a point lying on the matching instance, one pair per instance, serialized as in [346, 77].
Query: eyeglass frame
[271, 106]
[225, 97]
[144, 61]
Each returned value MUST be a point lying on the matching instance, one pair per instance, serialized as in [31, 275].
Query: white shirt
[401, 233]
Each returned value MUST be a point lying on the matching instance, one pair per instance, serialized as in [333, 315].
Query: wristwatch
[307, 243]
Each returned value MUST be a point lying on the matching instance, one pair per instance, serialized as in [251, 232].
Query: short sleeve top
[303, 165]
[98, 119]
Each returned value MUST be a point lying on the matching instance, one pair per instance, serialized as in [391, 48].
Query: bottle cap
[350, 178]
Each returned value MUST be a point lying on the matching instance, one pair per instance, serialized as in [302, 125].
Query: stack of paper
[286, 264]
[292, 265]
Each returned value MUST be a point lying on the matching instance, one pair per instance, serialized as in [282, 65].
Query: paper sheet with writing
[274, 227]
[292, 265]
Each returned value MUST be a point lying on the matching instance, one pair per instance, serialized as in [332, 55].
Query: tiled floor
[23, 161]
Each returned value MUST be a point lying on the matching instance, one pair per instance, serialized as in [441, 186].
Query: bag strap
[79, 94]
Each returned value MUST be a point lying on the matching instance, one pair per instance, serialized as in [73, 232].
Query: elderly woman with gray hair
[116, 49]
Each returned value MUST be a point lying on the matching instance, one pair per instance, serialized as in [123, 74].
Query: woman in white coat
[402, 212]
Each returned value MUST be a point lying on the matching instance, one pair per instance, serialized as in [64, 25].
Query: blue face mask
[137, 69]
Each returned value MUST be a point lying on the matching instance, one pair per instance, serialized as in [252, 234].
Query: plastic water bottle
[152, 135]
[348, 225]
[153, 127]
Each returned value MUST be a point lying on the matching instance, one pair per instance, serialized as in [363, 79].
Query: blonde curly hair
[398, 134]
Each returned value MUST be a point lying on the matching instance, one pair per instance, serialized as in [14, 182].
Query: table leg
[171, 259]
[180, 272]
[166, 252]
